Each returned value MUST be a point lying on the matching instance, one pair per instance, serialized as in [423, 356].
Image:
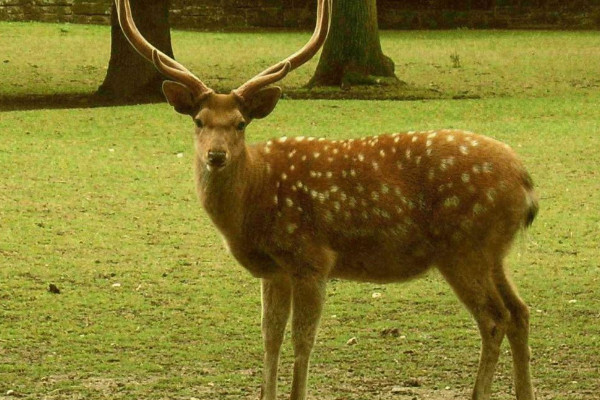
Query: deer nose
[217, 158]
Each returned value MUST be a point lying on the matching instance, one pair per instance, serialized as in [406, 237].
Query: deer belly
[376, 266]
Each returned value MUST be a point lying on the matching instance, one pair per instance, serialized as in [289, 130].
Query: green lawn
[101, 203]
[44, 57]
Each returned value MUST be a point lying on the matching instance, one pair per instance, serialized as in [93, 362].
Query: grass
[492, 63]
[100, 202]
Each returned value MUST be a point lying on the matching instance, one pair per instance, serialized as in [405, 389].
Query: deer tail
[532, 200]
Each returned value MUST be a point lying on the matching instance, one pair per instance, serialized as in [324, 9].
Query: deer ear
[180, 97]
[261, 103]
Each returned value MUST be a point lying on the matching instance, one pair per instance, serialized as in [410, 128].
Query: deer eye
[198, 123]
[241, 126]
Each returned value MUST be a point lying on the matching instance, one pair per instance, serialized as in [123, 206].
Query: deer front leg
[276, 302]
[308, 294]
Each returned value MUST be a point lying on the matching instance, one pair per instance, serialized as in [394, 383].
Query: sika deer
[296, 212]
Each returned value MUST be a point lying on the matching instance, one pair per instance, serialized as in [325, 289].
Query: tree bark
[352, 53]
[130, 75]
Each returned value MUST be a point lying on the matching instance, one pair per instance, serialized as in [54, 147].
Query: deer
[298, 211]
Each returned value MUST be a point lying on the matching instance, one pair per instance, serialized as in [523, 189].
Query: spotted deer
[298, 211]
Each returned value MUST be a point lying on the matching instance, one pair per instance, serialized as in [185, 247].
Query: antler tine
[165, 64]
[278, 71]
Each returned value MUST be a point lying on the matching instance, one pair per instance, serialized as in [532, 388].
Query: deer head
[221, 119]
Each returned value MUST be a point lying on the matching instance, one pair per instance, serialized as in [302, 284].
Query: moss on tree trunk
[352, 53]
[130, 75]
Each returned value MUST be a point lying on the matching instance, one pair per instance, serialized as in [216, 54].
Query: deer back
[416, 194]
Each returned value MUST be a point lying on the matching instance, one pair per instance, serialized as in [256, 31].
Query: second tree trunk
[352, 53]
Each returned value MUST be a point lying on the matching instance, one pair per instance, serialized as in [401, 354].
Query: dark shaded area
[398, 91]
[70, 100]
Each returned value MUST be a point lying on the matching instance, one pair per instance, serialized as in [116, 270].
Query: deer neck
[226, 194]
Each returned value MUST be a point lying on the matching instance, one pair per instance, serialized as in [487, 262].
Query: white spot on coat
[328, 216]
[291, 228]
[478, 209]
[453, 201]
[337, 206]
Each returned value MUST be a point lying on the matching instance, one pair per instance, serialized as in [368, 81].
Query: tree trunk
[352, 53]
[130, 75]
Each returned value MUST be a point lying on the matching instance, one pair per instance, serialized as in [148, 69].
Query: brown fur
[296, 212]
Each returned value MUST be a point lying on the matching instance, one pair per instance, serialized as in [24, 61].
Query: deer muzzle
[216, 158]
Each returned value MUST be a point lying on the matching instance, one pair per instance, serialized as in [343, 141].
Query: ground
[100, 202]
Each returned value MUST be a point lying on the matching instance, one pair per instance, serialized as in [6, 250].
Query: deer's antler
[177, 72]
[276, 72]
[165, 64]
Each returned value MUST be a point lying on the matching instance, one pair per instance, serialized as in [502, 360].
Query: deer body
[299, 211]
[296, 212]
[388, 206]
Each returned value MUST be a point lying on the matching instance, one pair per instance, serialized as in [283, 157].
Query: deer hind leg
[276, 303]
[473, 284]
[517, 333]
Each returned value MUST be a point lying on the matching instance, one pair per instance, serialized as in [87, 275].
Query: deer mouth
[216, 160]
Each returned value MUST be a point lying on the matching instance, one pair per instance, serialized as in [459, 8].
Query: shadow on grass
[92, 100]
[364, 92]
[69, 100]
[379, 89]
